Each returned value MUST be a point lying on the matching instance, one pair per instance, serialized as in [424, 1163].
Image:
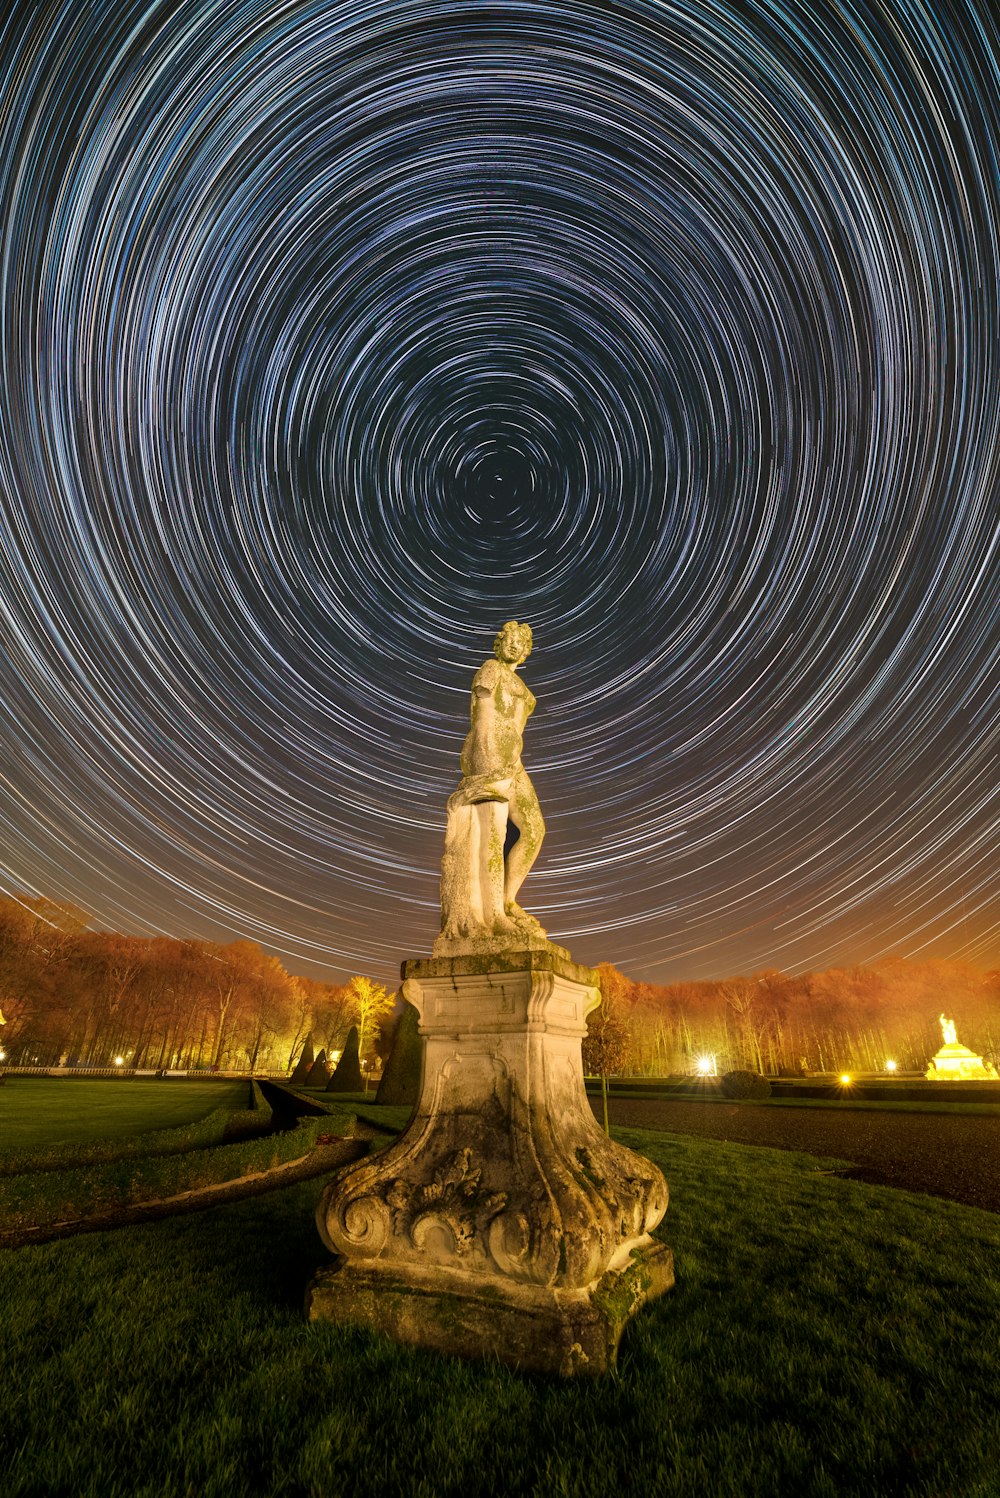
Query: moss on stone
[618, 1292]
[547, 958]
[586, 1164]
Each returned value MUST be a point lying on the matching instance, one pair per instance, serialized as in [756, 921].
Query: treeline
[853, 1018]
[74, 996]
[83, 997]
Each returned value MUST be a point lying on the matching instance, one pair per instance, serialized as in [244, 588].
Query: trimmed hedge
[744, 1084]
[400, 1084]
[347, 1073]
[31, 1199]
[332, 1105]
[220, 1126]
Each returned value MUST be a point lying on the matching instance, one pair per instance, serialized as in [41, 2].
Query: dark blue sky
[333, 335]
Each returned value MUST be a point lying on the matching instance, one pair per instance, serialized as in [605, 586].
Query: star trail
[334, 334]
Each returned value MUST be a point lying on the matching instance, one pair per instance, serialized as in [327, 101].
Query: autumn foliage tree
[773, 1022]
[80, 996]
[84, 997]
[370, 1004]
[607, 1044]
[35, 936]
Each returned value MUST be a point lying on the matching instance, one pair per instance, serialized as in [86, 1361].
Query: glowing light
[954, 1062]
[119, 1060]
[845, 1079]
[3, 1055]
[706, 1066]
[890, 1066]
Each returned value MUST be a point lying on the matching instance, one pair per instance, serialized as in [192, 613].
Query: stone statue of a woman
[479, 887]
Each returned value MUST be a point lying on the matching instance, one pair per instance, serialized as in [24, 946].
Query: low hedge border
[221, 1126]
[37, 1197]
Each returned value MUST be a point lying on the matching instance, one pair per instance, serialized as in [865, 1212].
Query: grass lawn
[824, 1338]
[50, 1112]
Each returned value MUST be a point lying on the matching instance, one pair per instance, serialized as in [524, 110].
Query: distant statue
[479, 885]
[955, 1062]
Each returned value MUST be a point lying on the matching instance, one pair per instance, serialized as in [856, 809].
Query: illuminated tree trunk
[220, 1035]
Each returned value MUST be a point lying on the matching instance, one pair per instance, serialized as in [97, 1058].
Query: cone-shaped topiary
[319, 1072]
[347, 1075]
[304, 1063]
[400, 1082]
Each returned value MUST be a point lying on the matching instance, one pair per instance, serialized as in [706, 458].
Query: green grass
[36, 1197]
[824, 1338]
[49, 1113]
[382, 1116]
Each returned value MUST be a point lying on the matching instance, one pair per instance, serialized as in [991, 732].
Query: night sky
[332, 335]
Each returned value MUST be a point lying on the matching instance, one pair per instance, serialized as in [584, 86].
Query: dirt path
[952, 1155]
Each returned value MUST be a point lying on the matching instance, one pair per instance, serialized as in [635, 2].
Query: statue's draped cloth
[479, 877]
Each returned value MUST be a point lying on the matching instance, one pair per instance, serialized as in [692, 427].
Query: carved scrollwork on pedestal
[365, 1225]
[503, 1178]
[355, 1225]
[509, 1243]
[450, 1213]
[636, 1203]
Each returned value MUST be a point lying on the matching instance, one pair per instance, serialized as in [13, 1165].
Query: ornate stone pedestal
[503, 1223]
[954, 1062]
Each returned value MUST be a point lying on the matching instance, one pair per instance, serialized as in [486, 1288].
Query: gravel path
[952, 1155]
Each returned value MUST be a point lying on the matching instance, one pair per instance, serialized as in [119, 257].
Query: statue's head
[513, 643]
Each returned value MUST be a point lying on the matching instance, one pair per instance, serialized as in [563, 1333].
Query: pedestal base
[954, 1062]
[562, 1332]
[503, 1223]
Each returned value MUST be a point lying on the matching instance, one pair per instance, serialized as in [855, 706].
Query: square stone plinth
[535, 1330]
[503, 1223]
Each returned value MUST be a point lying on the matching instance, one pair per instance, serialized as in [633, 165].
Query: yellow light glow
[890, 1066]
[706, 1066]
[845, 1078]
[119, 1060]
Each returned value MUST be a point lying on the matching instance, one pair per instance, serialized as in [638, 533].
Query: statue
[479, 885]
[503, 1222]
[954, 1062]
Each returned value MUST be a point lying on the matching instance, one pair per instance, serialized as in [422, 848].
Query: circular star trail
[332, 335]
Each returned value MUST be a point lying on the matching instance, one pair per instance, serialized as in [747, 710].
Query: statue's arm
[484, 682]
